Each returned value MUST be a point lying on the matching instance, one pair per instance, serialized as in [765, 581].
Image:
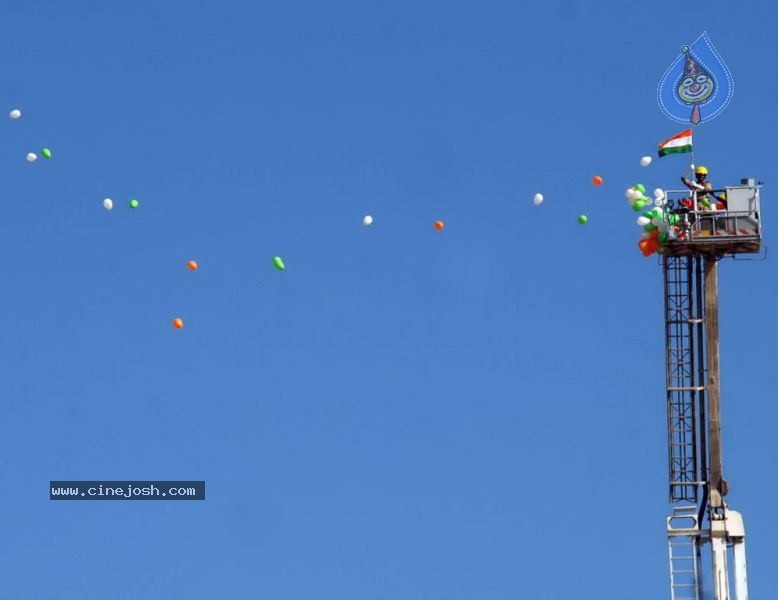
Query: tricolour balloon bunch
[655, 221]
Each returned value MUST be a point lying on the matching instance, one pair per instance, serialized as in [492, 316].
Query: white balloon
[15, 113]
[645, 235]
[538, 199]
[660, 202]
[645, 161]
[368, 220]
[108, 204]
[659, 193]
[643, 221]
[32, 157]
[631, 193]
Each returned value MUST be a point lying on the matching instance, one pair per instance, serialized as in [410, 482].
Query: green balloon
[583, 219]
[279, 264]
[638, 206]
[46, 153]
[662, 237]
[134, 203]
[641, 188]
[649, 227]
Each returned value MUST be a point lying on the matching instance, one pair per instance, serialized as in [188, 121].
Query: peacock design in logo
[697, 86]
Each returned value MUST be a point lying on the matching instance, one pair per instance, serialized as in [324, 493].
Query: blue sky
[402, 413]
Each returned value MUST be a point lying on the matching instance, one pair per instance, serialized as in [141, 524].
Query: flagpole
[694, 192]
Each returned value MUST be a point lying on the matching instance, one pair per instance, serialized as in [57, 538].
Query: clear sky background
[401, 414]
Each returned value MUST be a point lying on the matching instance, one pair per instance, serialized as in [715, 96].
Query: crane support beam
[717, 489]
[736, 533]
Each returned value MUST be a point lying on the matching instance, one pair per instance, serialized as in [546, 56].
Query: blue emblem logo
[697, 86]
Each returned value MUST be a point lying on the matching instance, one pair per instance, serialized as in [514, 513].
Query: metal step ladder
[683, 541]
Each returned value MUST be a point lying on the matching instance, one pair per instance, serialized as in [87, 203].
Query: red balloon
[649, 245]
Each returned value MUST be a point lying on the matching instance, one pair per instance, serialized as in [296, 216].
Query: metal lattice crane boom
[697, 484]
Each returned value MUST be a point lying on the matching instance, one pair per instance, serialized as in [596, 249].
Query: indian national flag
[681, 142]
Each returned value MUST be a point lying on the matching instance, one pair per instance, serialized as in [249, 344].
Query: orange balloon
[439, 225]
[178, 323]
[192, 265]
[597, 180]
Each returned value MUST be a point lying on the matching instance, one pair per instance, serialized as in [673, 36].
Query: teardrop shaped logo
[697, 86]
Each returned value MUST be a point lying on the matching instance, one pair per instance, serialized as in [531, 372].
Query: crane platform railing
[696, 222]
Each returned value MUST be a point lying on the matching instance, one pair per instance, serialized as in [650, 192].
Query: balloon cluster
[657, 223]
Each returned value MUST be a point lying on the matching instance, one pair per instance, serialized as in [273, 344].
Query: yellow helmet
[701, 171]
